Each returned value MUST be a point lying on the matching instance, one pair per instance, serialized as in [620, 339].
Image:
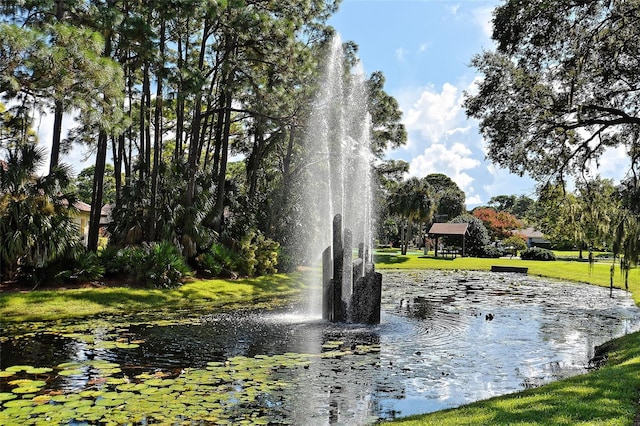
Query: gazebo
[440, 229]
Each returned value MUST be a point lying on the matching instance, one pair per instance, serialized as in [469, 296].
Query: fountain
[338, 194]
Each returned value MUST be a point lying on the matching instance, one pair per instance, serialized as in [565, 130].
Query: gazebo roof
[448, 229]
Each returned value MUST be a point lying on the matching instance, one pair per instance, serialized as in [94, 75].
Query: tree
[84, 184]
[35, 223]
[499, 224]
[449, 198]
[561, 89]
[476, 238]
[388, 131]
[561, 86]
[412, 202]
[57, 66]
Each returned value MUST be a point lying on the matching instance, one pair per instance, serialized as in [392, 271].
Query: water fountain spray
[339, 193]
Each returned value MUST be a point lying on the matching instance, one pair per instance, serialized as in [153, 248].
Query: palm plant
[413, 202]
[35, 223]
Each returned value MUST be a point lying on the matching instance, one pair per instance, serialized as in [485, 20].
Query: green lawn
[42, 305]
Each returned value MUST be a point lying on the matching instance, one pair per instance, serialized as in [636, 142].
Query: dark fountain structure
[357, 278]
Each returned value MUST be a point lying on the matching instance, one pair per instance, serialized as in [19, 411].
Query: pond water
[445, 339]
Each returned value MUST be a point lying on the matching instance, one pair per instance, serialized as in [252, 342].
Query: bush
[217, 261]
[113, 261]
[516, 242]
[87, 267]
[155, 265]
[537, 253]
[492, 252]
[162, 265]
[258, 255]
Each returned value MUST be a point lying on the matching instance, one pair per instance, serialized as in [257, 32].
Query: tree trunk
[222, 174]
[57, 136]
[254, 159]
[177, 154]
[157, 139]
[59, 109]
[195, 142]
[96, 198]
[98, 176]
[118, 153]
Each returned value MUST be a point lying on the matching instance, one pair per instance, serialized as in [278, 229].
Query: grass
[214, 294]
[608, 396]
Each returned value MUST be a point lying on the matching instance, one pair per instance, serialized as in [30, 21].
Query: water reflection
[445, 339]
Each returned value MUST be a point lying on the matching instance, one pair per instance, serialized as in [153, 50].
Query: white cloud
[613, 164]
[483, 17]
[441, 139]
[473, 201]
[452, 161]
[437, 115]
[400, 54]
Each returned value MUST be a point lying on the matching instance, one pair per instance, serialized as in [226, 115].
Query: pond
[445, 339]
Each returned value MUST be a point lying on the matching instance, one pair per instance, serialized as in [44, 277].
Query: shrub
[258, 255]
[162, 265]
[156, 264]
[217, 261]
[492, 252]
[113, 261]
[87, 267]
[266, 255]
[537, 253]
[514, 244]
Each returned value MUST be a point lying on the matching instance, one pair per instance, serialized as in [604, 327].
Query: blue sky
[423, 47]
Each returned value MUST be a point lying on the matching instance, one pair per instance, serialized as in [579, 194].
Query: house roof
[531, 232]
[448, 228]
[82, 206]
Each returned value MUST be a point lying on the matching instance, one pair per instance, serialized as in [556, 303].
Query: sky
[423, 48]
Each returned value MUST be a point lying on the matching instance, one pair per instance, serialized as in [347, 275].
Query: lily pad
[17, 368]
[159, 382]
[39, 370]
[41, 399]
[25, 390]
[18, 403]
[69, 365]
[27, 383]
[106, 402]
[6, 396]
[71, 372]
[78, 403]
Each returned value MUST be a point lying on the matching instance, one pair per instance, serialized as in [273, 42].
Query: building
[535, 238]
[81, 219]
